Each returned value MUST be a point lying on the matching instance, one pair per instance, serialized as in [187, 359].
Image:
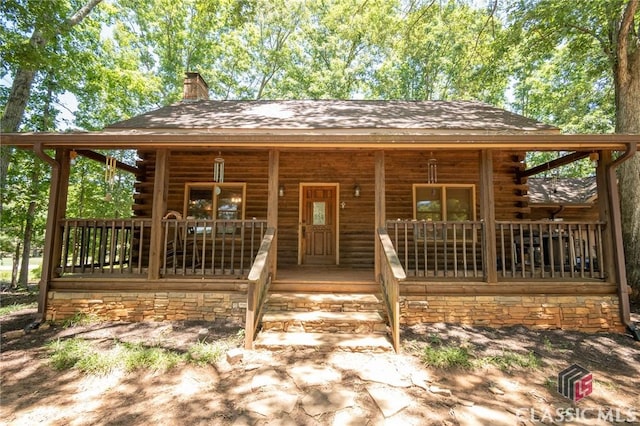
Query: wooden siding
[357, 217]
[346, 168]
[197, 166]
[404, 168]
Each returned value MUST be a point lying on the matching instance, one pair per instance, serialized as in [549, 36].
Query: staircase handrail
[259, 280]
[391, 275]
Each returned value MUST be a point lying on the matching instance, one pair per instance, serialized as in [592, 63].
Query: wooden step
[324, 321]
[324, 342]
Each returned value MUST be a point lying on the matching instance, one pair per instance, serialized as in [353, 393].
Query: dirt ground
[306, 387]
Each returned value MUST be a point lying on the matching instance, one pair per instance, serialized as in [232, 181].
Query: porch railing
[98, 246]
[391, 274]
[210, 247]
[439, 249]
[525, 249]
[258, 289]
[550, 249]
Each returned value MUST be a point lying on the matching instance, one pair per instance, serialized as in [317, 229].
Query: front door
[318, 220]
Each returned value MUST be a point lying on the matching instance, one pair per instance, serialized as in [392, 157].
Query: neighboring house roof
[458, 116]
[562, 190]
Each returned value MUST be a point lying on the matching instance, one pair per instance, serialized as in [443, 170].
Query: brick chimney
[195, 88]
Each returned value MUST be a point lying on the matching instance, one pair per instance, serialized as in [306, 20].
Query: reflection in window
[223, 201]
[229, 202]
[444, 202]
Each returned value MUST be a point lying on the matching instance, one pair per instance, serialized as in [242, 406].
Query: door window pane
[319, 213]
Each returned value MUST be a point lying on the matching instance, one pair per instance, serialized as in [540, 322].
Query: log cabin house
[246, 209]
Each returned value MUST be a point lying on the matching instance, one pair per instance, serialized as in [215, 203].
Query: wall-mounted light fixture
[356, 190]
[594, 157]
[281, 191]
[218, 169]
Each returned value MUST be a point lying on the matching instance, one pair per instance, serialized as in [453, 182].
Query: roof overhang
[318, 139]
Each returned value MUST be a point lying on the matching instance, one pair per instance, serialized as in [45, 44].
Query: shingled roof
[436, 116]
[562, 190]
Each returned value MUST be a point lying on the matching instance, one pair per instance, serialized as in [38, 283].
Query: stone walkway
[344, 388]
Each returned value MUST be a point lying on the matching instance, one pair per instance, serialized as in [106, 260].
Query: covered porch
[411, 258]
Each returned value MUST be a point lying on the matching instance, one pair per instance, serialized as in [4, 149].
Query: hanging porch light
[218, 169]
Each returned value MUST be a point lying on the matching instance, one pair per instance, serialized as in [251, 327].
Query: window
[436, 202]
[221, 201]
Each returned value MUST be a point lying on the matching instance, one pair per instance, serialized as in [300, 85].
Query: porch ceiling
[388, 139]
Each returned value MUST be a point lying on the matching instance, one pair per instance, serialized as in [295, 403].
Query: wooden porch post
[605, 215]
[614, 227]
[488, 215]
[58, 191]
[272, 206]
[380, 209]
[159, 206]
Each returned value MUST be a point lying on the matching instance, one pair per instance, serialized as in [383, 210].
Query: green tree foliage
[580, 70]
[91, 195]
[444, 51]
[564, 64]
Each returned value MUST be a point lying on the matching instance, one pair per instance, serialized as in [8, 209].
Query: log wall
[357, 221]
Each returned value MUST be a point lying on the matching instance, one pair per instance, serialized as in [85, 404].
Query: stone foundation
[148, 306]
[583, 313]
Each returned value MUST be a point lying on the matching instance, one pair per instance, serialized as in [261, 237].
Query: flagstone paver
[372, 367]
[319, 401]
[311, 374]
[351, 416]
[389, 400]
[383, 371]
[276, 403]
[271, 377]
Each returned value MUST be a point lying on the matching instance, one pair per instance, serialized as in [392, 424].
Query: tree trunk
[26, 248]
[18, 99]
[23, 79]
[21, 88]
[629, 181]
[14, 266]
[627, 92]
[45, 124]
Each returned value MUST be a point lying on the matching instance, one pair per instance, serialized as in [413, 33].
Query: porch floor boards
[324, 274]
[324, 279]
